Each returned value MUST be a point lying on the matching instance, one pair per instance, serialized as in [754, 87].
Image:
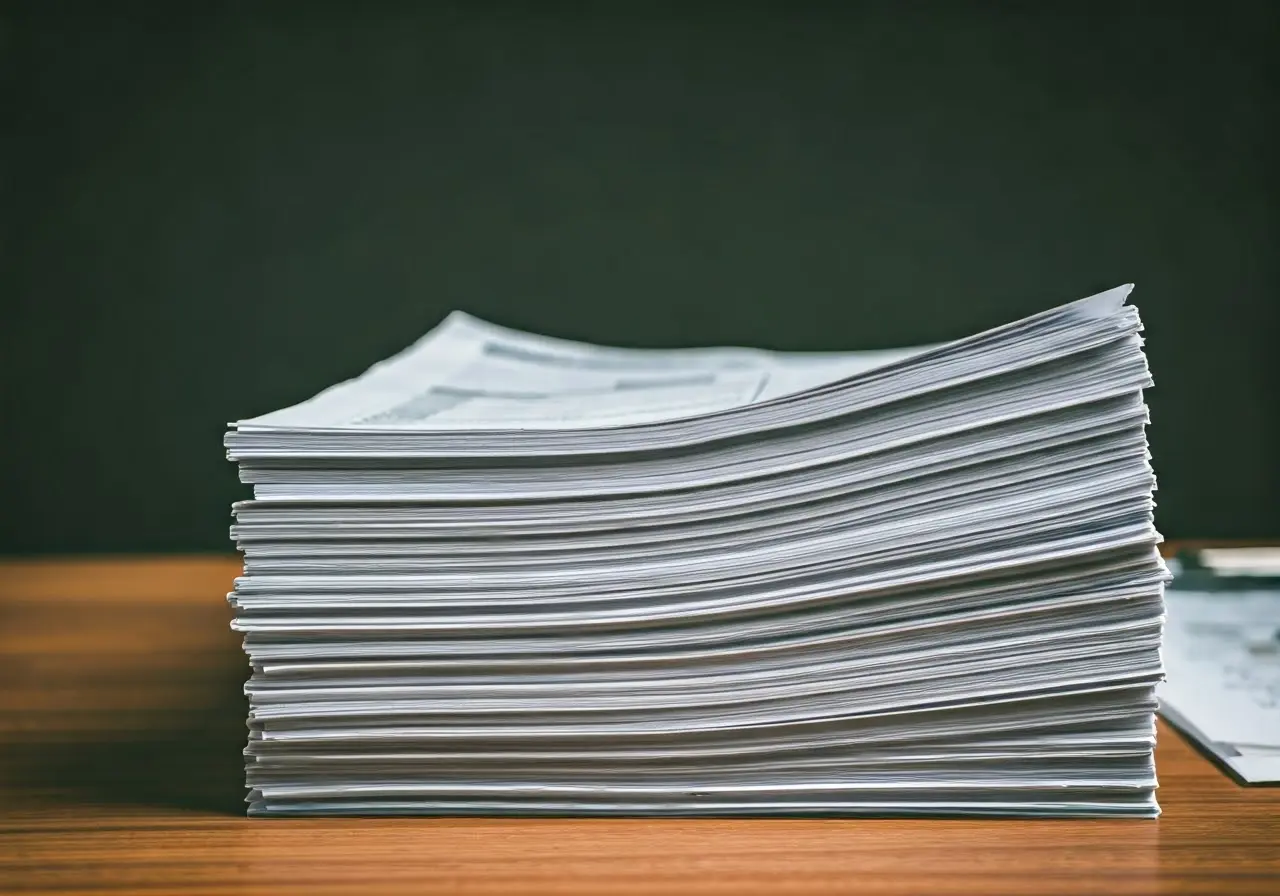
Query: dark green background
[211, 215]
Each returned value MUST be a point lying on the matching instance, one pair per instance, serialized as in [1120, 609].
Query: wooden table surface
[122, 722]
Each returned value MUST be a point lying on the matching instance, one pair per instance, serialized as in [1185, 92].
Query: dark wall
[211, 215]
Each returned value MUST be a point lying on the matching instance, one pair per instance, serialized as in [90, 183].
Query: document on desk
[1222, 653]
[505, 573]
[1257, 563]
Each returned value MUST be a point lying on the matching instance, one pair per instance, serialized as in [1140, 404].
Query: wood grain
[121, 723]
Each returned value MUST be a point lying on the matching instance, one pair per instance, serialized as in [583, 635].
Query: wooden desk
[122, 724]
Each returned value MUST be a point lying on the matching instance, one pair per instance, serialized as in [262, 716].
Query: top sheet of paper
[469, 374]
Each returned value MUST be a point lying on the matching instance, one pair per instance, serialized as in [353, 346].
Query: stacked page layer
[503, 573]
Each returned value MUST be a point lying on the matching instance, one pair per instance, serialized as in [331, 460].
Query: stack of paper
[505, 573]
[1223, 654]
